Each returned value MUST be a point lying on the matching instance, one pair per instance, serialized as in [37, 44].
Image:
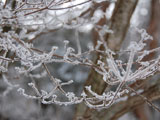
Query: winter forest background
[79, 59]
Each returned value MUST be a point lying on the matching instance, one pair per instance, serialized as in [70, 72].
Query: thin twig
[58, 86]
[144, 98]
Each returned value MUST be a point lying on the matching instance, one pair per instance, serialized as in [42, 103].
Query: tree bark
[119, 23]
[153, 30]
[120, 108]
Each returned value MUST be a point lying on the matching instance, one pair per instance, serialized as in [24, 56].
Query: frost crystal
[20, 25]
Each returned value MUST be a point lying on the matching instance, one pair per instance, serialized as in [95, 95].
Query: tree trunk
[119, 23]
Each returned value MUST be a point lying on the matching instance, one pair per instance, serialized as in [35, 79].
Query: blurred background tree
[39, 25]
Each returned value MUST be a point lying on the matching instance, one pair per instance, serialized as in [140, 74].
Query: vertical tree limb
[153, 30]
[119, 23]
[120, 108]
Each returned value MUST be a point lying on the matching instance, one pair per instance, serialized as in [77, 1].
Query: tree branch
[119, 23]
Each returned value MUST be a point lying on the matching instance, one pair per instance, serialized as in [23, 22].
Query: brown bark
[119, 24]
[119, 109]
[153, 30]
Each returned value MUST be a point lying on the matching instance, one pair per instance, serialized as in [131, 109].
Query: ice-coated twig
[22, 92]
[144, 98]
[78, 42]
[113, 70]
